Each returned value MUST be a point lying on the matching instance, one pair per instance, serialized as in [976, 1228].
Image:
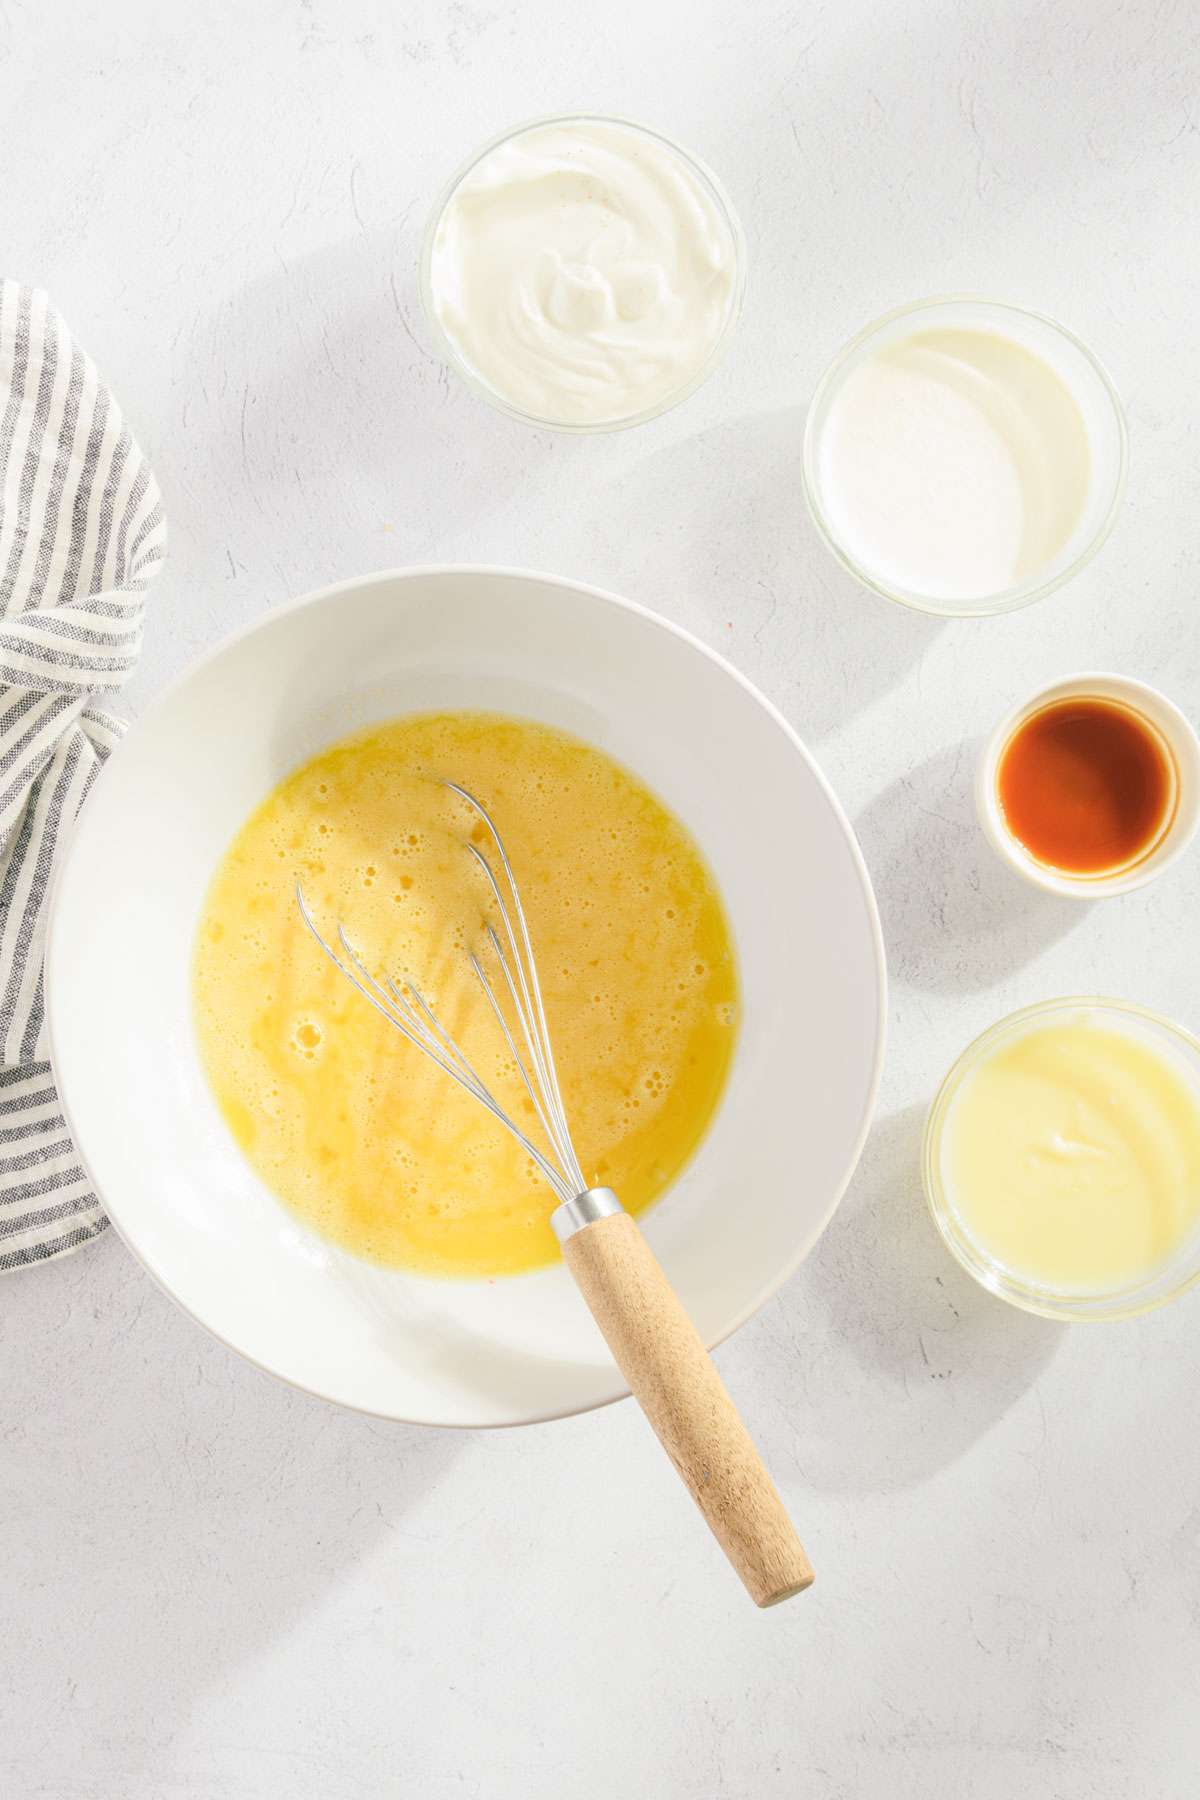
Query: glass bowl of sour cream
[1061, 1160]
[964, 457]
[583, 273]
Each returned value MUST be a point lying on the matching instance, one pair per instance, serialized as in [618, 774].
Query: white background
[216, 1589]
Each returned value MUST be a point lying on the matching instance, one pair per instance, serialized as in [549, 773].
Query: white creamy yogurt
[584, 271]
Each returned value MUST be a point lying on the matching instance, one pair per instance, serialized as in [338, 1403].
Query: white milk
[954, 463]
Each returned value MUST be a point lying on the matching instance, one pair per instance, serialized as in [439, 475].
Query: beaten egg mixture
[355, 1130]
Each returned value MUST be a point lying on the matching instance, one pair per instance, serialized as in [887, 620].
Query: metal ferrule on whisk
[584, 1209]
[403, 1005]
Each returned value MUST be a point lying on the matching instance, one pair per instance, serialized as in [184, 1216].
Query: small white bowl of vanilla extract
[1091, 787]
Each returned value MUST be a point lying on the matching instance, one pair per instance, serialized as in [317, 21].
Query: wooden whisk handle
[659, 1352]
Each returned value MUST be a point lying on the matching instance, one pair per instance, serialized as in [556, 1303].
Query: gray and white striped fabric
[81, 535]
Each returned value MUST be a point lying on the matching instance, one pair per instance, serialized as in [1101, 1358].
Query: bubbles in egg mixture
[355, 1129]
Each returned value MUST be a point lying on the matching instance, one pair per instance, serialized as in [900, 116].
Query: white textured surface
[216, 1589]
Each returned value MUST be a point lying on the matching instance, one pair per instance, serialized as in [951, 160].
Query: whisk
[652, 1340]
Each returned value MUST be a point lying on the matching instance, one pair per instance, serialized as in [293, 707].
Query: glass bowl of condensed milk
[1061, 1160]
[583, 272]
[964, 457]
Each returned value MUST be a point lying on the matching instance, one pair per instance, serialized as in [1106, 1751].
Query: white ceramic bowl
[788, 1132]
[1183, 816]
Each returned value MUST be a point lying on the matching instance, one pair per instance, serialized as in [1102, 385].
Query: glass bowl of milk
[1061, 1160]
[583, 273]
[964, 457]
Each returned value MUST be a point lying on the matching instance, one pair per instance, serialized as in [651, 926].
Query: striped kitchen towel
[81, 535]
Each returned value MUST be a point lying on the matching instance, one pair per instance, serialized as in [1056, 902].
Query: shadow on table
[725, 538]
[916, 1361]
[354, 442]
[955, 918]
[243, 1502]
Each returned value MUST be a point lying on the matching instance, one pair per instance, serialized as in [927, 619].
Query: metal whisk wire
[403, 1005]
